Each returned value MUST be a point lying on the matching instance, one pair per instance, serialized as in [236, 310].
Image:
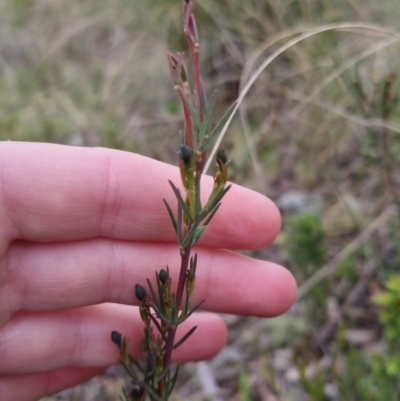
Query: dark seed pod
[186, 154]
[116, 338]
[136, 393]
[222, 156]
[140, 292]
[164, 276]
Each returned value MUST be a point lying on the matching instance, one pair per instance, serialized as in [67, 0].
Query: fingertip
[246, 220]
[285, 291]
[206, 342]
[271, 219]
[264, 222]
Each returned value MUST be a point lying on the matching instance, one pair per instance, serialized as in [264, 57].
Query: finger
[35, 386]
[59, 193]
[58, 276]
[39, 342]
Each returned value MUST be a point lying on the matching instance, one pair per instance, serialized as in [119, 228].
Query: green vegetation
[323, 118]
[304, 243]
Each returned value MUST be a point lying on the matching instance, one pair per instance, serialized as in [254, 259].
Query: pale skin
[79, 228]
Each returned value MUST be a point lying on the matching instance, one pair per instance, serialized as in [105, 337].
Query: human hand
[79, 228]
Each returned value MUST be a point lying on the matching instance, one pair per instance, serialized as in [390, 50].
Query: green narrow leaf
[153, 293]
[173, 308]
[149, 389]
[193, 310]
[181, 201]
[160, 314]
[171, 215]
[159, 328]
[186, 309]
[185, 337]
[164, 373]
[159, 287]
[151, 357]
[193, 262]
[218, 197]
[193, 112]
[133, 361]
[212, 214]
[199, 232]
[206, 123]
[129, 371]
[217, 129]
[171, 383]
[179, 223]
[197, 206]
[207, 222]
[190, 234]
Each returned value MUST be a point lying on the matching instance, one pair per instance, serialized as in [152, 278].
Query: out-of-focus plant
[389, 301]
[303, 242]
[380, 146]
[244, 387]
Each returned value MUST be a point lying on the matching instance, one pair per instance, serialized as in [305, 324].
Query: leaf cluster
[149, 375]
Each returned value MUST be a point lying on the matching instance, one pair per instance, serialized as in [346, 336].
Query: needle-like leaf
[181, 201]
[217, 129]
[193, 112]
[171, 215]
[172, 382]
[183, 318]
[206, 123]
[153, 293]
[185, 337]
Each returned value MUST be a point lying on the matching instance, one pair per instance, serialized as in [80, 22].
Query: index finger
[61, 193]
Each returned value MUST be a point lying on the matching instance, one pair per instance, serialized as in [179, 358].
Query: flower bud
[140, 292]
[221, 156]
[116, 338]
[164, 276]
[186, 154]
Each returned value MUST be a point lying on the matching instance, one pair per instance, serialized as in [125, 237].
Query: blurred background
[319, 133]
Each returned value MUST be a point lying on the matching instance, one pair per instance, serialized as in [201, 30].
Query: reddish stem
[197, 77]
[188, 121]
[185, 258]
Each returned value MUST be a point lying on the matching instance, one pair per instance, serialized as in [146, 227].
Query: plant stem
[185, 258]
